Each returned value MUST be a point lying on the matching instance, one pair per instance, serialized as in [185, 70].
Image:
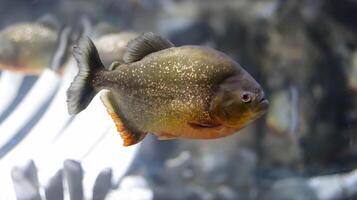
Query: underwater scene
[178, 99]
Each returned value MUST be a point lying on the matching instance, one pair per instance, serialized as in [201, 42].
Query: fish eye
[246, 98]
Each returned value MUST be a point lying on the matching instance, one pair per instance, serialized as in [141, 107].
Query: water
[303, 54]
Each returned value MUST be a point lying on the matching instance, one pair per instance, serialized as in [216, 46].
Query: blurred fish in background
[27, 47]
[112, 46]
[303, 53]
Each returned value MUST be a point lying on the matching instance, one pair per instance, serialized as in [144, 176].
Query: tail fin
[81, 91]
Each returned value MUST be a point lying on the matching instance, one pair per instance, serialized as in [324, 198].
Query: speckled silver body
[166, 90]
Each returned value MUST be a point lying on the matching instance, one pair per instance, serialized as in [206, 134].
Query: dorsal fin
[144, 45]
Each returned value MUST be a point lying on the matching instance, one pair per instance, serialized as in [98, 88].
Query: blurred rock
[200, 192]
[290, 189]
[282, 150]
[279, 113]
[224, 192]
[181, 193]
[26, 182]
[180, 168]
[231, 165]
[54, 187]
[129, 182]
[73, 174]
[151, 157]
[133, 188]
[102, 185]
[335, 186]
[212, 167]
[283, 130]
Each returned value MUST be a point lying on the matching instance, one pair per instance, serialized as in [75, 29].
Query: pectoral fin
[167, 136]
[128, 134]
[205, 125]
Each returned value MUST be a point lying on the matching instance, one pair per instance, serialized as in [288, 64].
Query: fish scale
[189, 91]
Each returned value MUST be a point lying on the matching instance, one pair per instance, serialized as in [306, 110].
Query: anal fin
[129, 136]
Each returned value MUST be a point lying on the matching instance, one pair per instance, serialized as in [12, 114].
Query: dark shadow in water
[328, 135]
[343, 11]
[197, 33]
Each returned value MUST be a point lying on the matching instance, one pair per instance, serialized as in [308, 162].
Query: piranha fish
[172, 92]
[111, 47]
[27, 47]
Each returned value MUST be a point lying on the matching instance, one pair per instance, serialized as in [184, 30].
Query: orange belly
[189, 132]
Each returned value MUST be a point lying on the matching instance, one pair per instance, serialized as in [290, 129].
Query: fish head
[239, 100]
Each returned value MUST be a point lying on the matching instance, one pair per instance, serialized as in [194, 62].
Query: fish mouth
[263, 100]
[263, 104]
